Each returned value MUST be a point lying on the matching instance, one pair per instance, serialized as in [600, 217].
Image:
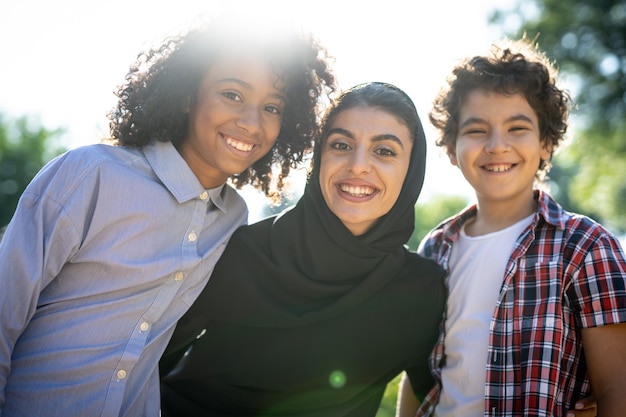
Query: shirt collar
[452, 227]
[548, 209]
[173, 171]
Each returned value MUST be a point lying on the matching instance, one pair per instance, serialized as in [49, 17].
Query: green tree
[429, 214]
[390, 399]
[25, 146]
[587, 39]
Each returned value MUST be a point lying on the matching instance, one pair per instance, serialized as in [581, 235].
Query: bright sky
[63, 59]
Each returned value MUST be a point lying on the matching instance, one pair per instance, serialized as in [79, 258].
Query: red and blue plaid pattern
[566, 273]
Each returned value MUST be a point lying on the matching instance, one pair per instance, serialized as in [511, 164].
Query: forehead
[370, 120]
[488, 106]
[251, 68]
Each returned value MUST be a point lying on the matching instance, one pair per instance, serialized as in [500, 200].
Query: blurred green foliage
[25, 146]
[388, 404]
[587, 40]
[432, 212]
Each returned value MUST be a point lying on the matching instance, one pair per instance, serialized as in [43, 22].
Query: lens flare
[337, 379]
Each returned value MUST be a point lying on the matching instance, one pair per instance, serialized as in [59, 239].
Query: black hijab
[304, 265]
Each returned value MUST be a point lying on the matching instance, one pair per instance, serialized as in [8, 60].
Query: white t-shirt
[477, 266]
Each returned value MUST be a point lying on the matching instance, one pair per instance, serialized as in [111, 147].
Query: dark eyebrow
[340, 131]
[519, 117]
[377, 138]
[514, 118]
[388, 136]
[470, 121]
[248, 86]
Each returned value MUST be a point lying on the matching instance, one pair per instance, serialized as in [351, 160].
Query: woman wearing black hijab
[312, 312]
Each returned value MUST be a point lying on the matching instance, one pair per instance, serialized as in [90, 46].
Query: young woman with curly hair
[111, 243]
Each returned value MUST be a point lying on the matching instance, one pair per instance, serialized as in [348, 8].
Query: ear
[451, 152]
[546, 150]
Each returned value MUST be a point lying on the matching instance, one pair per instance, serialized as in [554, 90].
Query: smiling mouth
[356, 191]
[240, 146]
[499, 167]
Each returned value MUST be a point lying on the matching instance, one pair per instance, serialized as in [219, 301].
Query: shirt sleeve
[600, 282]
[37, 243]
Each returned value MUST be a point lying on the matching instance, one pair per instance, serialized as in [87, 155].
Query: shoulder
[444, 234]
[585, 235]
[424, 264]
[577, 230]
[425, 270]
[580, 242]
[101, 153]
[71, 170]
[258, 232]
[84, 159]
[425, 279]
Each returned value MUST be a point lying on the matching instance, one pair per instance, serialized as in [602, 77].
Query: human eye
[385, 151]
[232, 95]
[519, 128]
[274, 110]
[338, 144]
[473, 132]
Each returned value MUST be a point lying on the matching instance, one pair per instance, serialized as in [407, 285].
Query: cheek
[466, 152]
[394, 185]
[398, 186]
[272, 130]
[201, 118]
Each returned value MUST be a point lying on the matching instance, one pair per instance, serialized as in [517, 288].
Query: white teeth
[358, 191]
[498, 168]
[240, 146]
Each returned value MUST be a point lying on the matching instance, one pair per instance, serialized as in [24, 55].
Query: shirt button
[121, 374]
[192, 237]
[144, 326]
[204, 196]
[179, 276]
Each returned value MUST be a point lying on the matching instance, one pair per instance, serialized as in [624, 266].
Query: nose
[497, 142]
[360, 161]
[249, 118]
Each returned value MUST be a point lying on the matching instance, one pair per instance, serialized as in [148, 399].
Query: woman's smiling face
[236, 118]
[365, 158]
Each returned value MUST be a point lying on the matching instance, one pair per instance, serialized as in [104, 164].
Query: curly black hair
[510, 67]
[164, 81]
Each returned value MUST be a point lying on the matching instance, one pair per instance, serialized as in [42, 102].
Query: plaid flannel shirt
[566, 272]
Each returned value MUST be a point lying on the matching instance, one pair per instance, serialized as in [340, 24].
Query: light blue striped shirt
[106, 251]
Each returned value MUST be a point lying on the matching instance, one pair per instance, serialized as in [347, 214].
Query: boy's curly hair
[509, 67]
[164, 81]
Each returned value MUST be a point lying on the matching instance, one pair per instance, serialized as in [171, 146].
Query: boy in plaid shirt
[536, 315]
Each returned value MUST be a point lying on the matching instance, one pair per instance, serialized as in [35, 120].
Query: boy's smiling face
[498, 147]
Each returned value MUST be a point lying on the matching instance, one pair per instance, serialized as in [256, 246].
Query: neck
[495, 215]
